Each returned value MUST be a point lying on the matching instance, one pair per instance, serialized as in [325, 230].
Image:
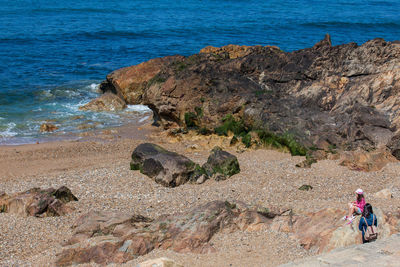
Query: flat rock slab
[38, 202]
[167, 168]
[380, 253]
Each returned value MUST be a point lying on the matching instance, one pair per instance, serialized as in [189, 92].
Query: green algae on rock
[221, 164]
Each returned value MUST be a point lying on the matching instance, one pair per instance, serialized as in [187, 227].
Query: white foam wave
[94, 87]
[73, 107]
[70, 93]
[139, 108]
[9, 131]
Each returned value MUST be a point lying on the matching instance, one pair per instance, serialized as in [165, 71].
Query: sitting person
[368, 219]
[356, 207]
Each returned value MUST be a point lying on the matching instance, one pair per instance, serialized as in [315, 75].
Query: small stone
[201, 179]
[305, 187]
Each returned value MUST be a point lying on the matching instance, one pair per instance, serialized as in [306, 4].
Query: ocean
[54, 54]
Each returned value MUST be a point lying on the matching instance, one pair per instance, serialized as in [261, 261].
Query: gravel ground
[99, 176]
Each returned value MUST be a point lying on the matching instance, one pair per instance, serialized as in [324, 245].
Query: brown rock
[106, 102]
[38, 202]
[47, 127]
[130, 82]
[366, 161]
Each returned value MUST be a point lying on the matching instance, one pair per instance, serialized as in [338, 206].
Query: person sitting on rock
[368, 218]
[356, 207]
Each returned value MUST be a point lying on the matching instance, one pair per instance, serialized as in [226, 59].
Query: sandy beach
[98, 173]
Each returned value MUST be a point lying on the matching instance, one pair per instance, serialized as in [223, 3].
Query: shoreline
[95, 134]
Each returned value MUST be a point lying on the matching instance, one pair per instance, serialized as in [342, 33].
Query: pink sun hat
[359, 191]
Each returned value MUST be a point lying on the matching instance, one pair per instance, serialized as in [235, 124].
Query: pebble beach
[98, 174]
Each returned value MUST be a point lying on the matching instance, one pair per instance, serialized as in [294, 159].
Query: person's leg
[357, 210]
[351, 210]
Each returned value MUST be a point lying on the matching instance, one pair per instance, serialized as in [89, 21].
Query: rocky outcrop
[342, 96]
[165, 167]
[380, 253]
[325, 230]
[105, 102]
[221, 164]
[38, 202]
[106, 237]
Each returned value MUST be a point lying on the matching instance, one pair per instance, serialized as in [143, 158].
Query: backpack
[371, 233]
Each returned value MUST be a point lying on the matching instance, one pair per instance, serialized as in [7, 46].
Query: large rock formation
[38, 202]
[107, 237]
[344, 96]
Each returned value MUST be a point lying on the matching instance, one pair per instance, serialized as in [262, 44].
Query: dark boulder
[221, 164]
[167, 168]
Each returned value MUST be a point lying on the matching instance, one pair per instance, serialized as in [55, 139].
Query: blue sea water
[53, 54]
